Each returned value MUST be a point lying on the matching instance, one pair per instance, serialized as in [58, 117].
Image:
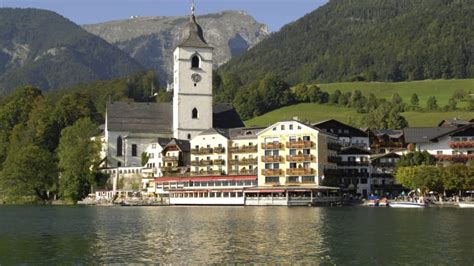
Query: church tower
[192, 96]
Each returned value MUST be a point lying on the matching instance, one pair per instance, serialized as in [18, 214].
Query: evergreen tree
[432, 104]
[415, 101]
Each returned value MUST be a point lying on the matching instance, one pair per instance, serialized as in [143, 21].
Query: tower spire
[193, 8]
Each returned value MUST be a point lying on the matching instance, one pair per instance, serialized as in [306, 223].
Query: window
[195, 114]
[308, 179]
[291, 127]
[292, 165]
[153, 146]
[195, 61]
[292, 151]
[189, 136]
[119, 146]
[282, 127]
[119, 164]
[439, 152]
[306, 138]
[293, 179]
[271, 179]
[134, 150]
[363, 180]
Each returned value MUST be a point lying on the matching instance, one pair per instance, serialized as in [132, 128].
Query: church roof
[157, 118]
[192, 35]
[140, 117]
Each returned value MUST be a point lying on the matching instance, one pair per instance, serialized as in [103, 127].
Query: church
[131, 127]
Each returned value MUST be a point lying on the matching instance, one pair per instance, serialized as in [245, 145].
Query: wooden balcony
[170, 159]
[272, 172]
[272, 146]
[300, 158]
[300, 144]
[244, 149]
[201, 163]
[219, 150]
[219, 162]
[202, 151]
[244, 172]
[300, 171]
[461, 144]
[249, 161]
[272, 159]
[208, 173]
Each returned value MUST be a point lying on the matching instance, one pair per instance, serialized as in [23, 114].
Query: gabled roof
[455, 122]
[294, 121]
[393, 133]
[182, 144]
[354, 150]
[157, 118]
[385, 155]
[212, 131]
[424, 134]
[163, 141]
[244, 132]
[140, 117]
[458, 132]
[338, 128]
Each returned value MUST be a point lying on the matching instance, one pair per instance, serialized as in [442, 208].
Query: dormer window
[195, 61]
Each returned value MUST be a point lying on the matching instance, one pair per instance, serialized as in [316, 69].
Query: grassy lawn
[317, 112]
[442, 89]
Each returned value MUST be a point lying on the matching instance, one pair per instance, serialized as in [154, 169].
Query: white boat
[466, 204]
[406, 204]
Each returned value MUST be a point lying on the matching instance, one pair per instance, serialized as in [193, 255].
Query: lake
[190, 235]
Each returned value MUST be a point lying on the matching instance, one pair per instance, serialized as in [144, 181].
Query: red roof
[205, 178]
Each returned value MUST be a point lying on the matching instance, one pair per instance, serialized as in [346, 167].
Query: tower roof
[192, 34]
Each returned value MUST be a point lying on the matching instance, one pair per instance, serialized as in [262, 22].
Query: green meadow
[443, 90]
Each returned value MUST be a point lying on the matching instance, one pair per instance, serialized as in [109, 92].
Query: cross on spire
[193, 8]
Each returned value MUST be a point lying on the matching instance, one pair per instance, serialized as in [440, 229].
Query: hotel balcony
[272, 146]
[461, 144]
[244, 172]
[300, 144]
[219, 150]
[170, 159]
[272, 159]
[201, 163]
[300, 158]
[272, 172]
[208, 173]
[219, 162]
[300, 171]
[202, 151]
[385, 165]
[461, 158]
[244, 149]
[244, 161]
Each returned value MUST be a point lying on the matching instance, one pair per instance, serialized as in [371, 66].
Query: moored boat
[466, 204]
[406, 204]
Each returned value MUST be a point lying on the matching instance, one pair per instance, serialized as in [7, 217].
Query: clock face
[196, 77]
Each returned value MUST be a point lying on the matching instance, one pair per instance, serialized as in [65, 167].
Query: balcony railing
[300, 158]
[384, 165]
[170, 159]
[207, 173]
[244, 161]
[219, 162]
[244, 172]
[461, 158]
[202, 151]
[300, 144]
[272, 159]
[300, 171]
[219, 150]
[272, 146]
[272, 172]
[461, 144]
[244, 149]
[382, 175]
[201, 163]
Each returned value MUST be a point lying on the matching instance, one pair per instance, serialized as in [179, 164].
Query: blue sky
[274, 13]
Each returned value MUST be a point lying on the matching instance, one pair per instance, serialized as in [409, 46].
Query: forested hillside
[367, 40]
[46, 50]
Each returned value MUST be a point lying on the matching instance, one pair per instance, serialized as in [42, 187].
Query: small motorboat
[406, 204]
[383, 202]
[466, 204]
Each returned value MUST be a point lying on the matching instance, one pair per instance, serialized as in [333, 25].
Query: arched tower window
[195, 61]
[189, 136]
[119, 146]
[195, 113]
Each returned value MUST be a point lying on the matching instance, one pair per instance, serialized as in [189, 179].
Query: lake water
[189, 235]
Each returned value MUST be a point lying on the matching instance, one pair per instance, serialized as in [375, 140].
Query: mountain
[44, 49]
[384, 40]
[151, 40]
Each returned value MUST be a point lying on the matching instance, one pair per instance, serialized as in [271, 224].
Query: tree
[334, 97]
[432, 104]
[396, 99]
[396, 121]
[77, 154]
[144, 158]
[164, 96]
[274, 92]
[372, 103]
[470, 104]
[415, 101]
[29, 173]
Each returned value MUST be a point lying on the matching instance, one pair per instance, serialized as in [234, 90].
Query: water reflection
[189, 235]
